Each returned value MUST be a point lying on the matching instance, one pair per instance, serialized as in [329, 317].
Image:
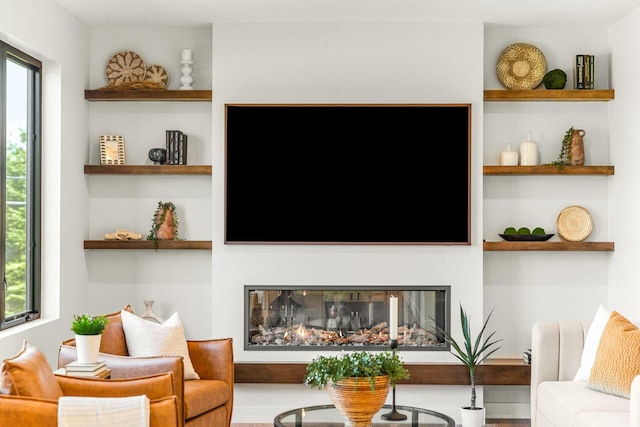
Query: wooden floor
[490, 423]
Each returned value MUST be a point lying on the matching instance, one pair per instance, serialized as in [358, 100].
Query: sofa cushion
[146, 338]
[591, 343]
[561, 401]
[204, 395]
[600, 419]
[617, 362]
[28, 374]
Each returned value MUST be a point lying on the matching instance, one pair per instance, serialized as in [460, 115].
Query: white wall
[178, 281]
[624, 206]
[29, 25]
[355, 63]
[524, 287]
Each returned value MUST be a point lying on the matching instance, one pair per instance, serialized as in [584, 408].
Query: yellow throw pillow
[618, 357]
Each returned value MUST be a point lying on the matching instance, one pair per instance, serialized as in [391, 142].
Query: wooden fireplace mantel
[492, 372]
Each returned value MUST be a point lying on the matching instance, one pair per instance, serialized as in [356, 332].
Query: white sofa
[557, 400]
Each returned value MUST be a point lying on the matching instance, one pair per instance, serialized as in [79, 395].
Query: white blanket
[76, 411]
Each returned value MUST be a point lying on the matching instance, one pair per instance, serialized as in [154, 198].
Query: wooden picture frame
[112, 150]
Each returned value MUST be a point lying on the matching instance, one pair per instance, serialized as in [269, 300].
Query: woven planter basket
[355, 400]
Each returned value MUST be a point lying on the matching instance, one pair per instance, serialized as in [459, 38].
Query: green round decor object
[510, 230]
[524, 231]
[538, 231]
[555, 79]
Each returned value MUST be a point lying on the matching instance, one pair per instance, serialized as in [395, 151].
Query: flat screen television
[347, 174]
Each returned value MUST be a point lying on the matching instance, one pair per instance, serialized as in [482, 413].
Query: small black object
[394, 415]
[158, 155]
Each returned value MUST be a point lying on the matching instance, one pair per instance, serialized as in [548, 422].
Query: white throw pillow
[146, 338]
[591, 343]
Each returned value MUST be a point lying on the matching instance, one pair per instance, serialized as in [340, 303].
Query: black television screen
[347, 174]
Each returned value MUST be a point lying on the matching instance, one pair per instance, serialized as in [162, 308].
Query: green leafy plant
[564, 158]
[86, 324]
[325, 370]
[472, 352]
[159, 216]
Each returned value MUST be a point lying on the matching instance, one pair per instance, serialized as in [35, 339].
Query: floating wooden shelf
[548, 170]
[492, 372]
[148, 169]
[148, 244]
[549, 95]
[548, 246]
[147, 95]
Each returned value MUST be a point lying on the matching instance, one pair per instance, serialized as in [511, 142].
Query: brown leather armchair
[31, 391]
[204, 402]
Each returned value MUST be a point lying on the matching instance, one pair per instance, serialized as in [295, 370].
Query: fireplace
[344, 318]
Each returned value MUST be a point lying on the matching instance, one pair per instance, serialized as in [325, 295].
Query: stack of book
[585, 72]
[88, 370]
[176, 142]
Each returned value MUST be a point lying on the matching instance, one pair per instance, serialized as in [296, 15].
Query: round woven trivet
[521, 66]
[125, 67]
[574, 223]
[157, 74]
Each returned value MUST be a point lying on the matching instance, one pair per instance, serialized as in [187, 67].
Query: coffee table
[328, 416]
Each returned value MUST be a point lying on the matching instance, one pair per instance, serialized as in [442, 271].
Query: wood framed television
[394, 174]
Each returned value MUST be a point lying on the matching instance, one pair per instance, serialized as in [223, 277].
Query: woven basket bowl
[521, 66]
[574, 223]
[355, 400]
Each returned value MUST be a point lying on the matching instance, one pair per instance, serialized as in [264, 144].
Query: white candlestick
[186, 55]
[393, 318]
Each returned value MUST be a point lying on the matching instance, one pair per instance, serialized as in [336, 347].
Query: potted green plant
[472, 352]
[88, 330]
[358, 381]
[164, 225]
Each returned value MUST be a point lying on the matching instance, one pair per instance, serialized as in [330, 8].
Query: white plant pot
[472, 417]
[88, 347]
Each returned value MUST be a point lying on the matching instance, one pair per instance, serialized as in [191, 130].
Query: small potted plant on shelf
[164, 225]
[472, 353]
[88, 330]
[358, 382]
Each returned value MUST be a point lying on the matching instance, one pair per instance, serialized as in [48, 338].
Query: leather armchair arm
[28, 411]
[213, 360]
[136, 367]
[154, 387]
[33, 412]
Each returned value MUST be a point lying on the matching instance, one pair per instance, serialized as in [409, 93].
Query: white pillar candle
[393, 318]
[186, 55]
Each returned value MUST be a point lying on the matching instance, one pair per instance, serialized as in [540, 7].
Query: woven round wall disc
[574, 223]
[158, 75]
[125, 67]
[521, 66]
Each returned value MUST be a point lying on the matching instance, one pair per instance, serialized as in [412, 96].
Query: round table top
[328, 415]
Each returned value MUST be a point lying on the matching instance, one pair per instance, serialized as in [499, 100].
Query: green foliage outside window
[16, 228]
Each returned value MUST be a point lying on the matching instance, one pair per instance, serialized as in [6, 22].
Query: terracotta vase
[166, 231]
[577, 148]
[355, 400]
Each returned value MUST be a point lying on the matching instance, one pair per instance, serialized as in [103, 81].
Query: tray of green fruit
[524, 234]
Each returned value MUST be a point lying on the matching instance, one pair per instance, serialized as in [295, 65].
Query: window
[20, 105]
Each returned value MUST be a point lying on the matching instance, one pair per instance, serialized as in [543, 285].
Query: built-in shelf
[549, 95]
[148, 244]
[147, 95]
[492, 372]
[549, 246]
[548, 170]
[148, 169]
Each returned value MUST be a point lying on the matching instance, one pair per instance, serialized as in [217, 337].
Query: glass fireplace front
[337, 317]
